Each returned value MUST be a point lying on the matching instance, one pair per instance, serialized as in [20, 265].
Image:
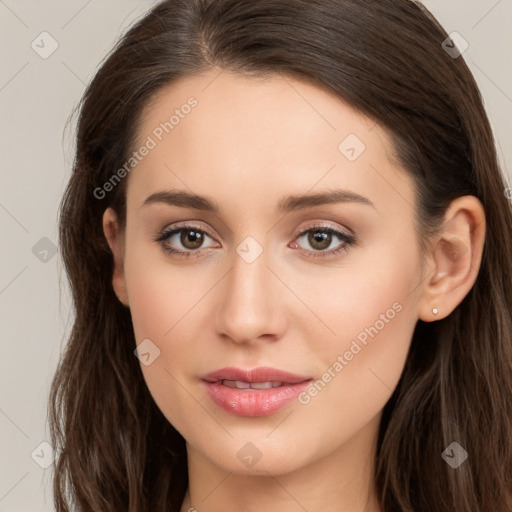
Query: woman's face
[309, 265]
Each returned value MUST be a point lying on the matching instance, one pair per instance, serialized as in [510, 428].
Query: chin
[255, 455]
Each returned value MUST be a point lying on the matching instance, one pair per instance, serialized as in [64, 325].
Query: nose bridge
[247, 309]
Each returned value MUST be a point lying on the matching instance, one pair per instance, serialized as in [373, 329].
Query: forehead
[267, 106]
[229, 136]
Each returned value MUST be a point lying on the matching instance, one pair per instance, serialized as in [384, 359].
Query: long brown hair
[117, 452]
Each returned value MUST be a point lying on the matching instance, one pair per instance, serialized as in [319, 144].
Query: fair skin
[247, 144]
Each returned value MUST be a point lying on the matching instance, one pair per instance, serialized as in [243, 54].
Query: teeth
[261, 385]
[236, 384]
[239, 384]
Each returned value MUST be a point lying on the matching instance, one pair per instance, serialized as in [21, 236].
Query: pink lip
[254, 402]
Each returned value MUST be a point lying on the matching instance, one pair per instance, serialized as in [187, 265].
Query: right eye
[190, 237]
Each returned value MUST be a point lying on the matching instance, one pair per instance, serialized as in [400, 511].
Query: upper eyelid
[166, 232]
[314, 225]
[325, 227]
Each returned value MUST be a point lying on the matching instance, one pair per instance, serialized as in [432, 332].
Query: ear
[455, 259]
[115, 239]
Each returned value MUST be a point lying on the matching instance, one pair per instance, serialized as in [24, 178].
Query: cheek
[373, 313]
[368, 297]
[357, 377]
[161, 293]
[166, 305]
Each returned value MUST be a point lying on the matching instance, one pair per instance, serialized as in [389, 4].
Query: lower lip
[254, 402]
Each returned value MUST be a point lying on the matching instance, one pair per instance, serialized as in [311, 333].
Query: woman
[290, 252]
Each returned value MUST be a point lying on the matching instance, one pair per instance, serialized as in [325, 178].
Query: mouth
[258, 392]
[240, 384]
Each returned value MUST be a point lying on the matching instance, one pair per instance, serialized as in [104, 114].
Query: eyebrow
[286, 205]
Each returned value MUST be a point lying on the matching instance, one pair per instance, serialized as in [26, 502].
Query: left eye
[320, 239]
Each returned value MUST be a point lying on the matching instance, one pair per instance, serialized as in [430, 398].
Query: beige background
[36, 97]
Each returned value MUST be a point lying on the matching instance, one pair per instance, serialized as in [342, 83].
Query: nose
[251, 302]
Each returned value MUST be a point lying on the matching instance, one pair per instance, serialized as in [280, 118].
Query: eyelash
[348, 240]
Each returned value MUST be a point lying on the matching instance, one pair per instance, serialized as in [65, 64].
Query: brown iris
[192, 237]
[322, 238]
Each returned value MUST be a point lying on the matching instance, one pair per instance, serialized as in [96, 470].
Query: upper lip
[261, 374]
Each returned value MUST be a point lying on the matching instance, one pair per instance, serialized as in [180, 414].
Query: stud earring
[435, 311]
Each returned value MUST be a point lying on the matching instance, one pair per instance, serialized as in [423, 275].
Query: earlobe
[456, 259]
[115, 239]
